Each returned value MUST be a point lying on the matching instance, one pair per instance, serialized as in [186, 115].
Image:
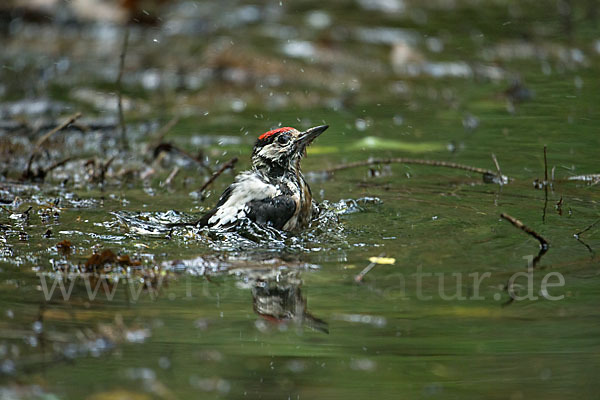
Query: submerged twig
[119, 89]
[518, 224]
[488, 175]
[229, 164]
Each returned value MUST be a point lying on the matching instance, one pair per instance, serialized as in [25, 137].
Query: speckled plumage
[274, 192]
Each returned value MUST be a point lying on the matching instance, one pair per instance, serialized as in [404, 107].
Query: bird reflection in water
[277, 297]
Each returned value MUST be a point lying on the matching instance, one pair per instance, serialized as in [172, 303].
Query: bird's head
[283, 148]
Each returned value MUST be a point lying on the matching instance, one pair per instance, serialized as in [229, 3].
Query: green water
[437, 323]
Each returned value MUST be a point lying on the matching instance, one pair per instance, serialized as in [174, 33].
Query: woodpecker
[274, 192]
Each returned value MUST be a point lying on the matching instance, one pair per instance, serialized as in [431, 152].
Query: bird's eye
[283, 139]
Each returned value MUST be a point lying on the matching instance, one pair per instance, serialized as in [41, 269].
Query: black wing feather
[204, 220]
[275, 211]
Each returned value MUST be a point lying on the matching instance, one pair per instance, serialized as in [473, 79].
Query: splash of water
[325, 232]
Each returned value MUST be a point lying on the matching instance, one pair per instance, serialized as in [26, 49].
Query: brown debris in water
[65, 247]
[107, 257]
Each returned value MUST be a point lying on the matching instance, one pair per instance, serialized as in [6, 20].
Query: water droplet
[164, 363]
[7, 367]
[360, 124]
[37, 327]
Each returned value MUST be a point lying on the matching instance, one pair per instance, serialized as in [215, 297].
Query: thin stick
[518, 224]
[104, 168]
[545, 166]
[585, 178]
[586, 245]
[401, 160]
[497, 168]
[162, 132]
[27, 174]
[545, 184]
[57, 164]
[544, 246]
[227, 165]
[166, 147]
[545, 204]
[586, 229]
[171, 176]
[60, 127]
[359, 277]
[119, 89]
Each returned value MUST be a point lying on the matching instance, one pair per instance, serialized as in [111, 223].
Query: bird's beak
[308, 136]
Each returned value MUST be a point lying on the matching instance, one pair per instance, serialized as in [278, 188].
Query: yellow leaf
[382, 260]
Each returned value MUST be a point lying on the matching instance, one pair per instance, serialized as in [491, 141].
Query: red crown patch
[274, 132]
